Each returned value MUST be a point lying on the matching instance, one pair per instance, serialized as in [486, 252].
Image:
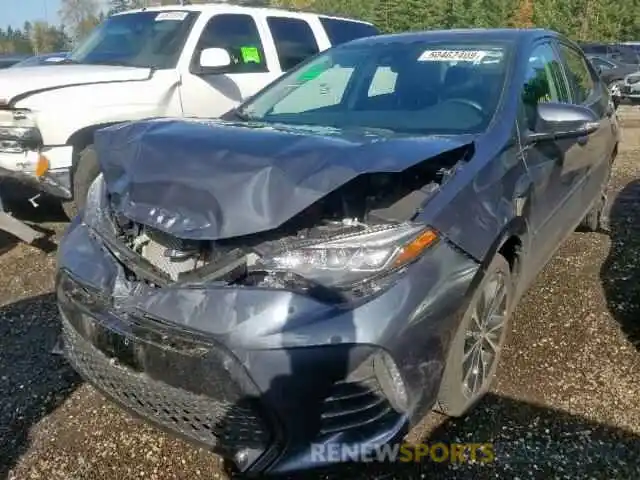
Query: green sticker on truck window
[250, 55]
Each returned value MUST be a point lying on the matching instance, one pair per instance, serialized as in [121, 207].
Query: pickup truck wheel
[86, 171]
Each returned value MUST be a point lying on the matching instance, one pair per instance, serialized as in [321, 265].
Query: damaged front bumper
[23, 168]
[260, 375]
[25, 158]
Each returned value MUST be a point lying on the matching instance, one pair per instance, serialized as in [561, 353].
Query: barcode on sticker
[452, 55]
[176, 16]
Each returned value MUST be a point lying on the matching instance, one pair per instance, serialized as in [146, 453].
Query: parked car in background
[630, 88]
[634, 45]
[612, 73]
[8, 61]
[342, 252]
[192, 61]
[44, 59]
[620, 53]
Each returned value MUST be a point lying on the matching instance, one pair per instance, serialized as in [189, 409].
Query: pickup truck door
[255, 65]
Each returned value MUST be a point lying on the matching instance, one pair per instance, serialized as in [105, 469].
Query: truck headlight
[356, 257]
[19, 125]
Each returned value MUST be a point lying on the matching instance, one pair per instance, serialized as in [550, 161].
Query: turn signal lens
[418, 245]
[42, 167]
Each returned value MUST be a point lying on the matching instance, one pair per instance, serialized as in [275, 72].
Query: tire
[594, 220]
[86, 171]
[454, 398]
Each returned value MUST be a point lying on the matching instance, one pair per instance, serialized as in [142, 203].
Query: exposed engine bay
[368, 203]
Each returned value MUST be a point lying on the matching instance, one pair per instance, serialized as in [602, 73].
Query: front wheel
[86, 171]
[475, 349]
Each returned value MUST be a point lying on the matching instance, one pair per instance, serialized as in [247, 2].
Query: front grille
[222, 426]
[355, 404]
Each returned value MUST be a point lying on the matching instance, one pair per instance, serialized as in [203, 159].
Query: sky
[16, 12]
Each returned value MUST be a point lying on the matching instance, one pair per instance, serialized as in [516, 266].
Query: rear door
[294, 40]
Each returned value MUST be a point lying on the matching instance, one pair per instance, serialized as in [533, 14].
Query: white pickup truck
[192, 61]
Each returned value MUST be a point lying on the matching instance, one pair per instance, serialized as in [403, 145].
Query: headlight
[96, 211]
[356, 257]
[19, 125]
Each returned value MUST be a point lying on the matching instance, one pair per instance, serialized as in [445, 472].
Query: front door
[592, 159]
[554, 206]
[251, 69]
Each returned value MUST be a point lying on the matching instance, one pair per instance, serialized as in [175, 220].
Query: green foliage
[39, 37]
[80, 16]
[594, 20]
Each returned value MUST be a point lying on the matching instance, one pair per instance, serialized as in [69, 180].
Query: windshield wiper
[67, 61]
[114, 63]
[242, 114]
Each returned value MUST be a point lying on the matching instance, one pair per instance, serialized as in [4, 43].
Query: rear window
[294, 39]
[342, 31]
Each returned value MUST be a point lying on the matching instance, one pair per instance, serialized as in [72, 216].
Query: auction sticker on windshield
[176, 16]
[452, 55]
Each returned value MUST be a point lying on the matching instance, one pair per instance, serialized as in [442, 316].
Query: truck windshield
[140, 39]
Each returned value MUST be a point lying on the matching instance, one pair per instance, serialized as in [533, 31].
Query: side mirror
[562, 120]
[214, 58]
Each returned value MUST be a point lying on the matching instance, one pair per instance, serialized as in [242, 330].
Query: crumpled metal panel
[208, 180]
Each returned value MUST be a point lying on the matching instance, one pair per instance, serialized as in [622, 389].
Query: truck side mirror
[214, 58]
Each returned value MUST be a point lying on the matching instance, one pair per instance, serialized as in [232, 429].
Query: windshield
[419, 87]
[141, 39]
[35, 61]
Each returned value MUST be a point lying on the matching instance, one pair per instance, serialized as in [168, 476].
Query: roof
[218, 7]
[479, 34]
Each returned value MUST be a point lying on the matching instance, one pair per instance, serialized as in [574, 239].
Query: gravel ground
[565, 403]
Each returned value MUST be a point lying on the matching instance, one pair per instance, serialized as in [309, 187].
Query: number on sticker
[452, 55]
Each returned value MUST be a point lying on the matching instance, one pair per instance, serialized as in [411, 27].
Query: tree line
[582, 20]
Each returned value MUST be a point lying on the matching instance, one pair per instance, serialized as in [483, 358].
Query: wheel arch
[509, 243]
[80, 140]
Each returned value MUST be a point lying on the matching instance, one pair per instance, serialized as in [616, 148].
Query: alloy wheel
[484, 336]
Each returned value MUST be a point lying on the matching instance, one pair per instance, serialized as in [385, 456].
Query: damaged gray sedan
[343, 252]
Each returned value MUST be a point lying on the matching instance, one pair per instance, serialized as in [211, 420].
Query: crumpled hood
[214, 179]
[21, 81]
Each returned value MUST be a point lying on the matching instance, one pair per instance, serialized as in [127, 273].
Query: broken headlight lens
[96, 212]
[354, 258]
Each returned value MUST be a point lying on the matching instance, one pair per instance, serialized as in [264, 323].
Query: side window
[579, 75]
[238, 34]
[544, 82]
[342, 31]
[294, 39]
